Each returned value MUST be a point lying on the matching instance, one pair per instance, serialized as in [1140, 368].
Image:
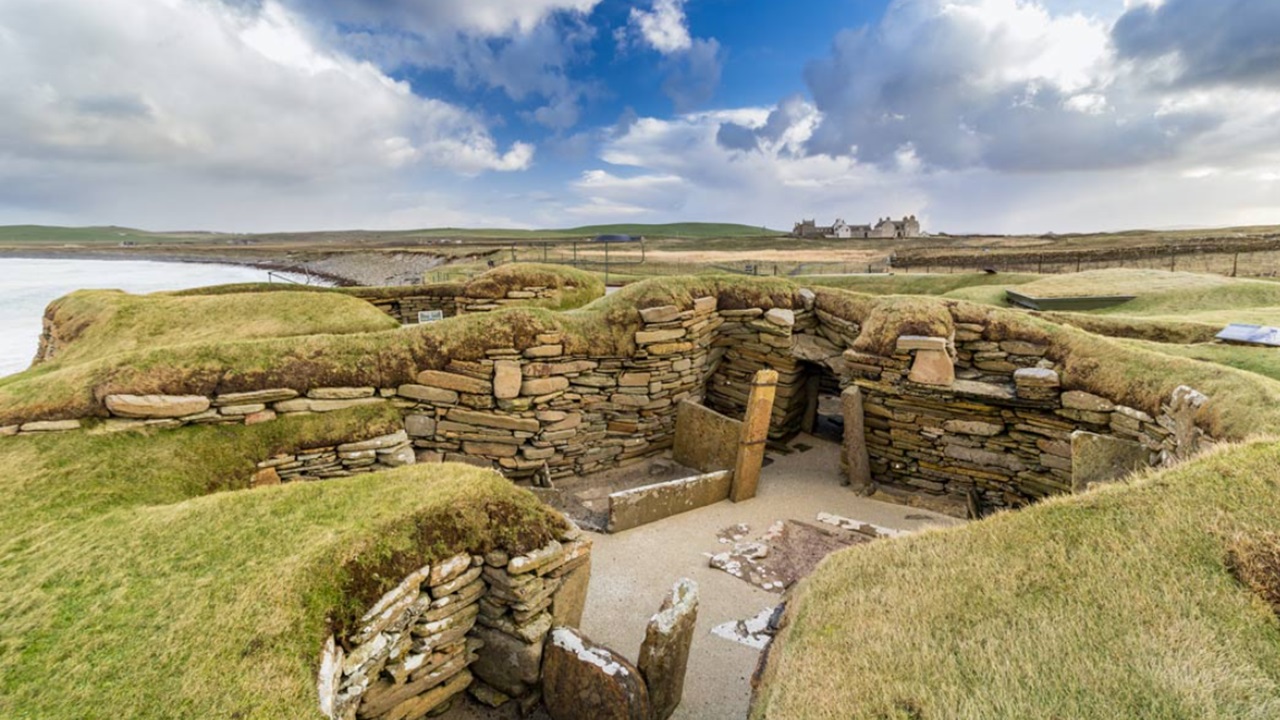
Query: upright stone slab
[1102, 459]
[755, 433]
[857, 460]
[705, 440]
[585, 681]
[664, 655]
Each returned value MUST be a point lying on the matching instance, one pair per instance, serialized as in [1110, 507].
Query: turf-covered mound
[1113, 604]
[136, 580]
[91, 324]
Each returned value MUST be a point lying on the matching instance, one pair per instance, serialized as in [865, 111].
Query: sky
[974, 115]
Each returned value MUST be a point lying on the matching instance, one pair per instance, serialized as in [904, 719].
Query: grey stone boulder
[664, 655]
[585, 681]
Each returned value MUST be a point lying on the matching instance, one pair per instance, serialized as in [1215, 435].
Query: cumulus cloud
[663, 27]
[691, 66]
[433, 17]
[1205, 43]
[214, 95]
[991, 83]
[523, 48]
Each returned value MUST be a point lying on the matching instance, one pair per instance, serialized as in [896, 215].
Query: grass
[1116, 603]
[92, 324]
[919, 283]
[138, 578]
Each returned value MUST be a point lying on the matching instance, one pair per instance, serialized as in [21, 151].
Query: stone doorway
[823, 413]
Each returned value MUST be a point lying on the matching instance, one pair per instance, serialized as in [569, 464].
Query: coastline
[343, 269]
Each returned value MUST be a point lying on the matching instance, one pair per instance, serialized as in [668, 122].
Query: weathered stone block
[544, 351]
[493, 420]
[780, 317]
[660, 314]
[650, 503]
[544, 386]
[1102, 459]
[664, 655]
[507, 663]
[156, 406]
[424, 393]
[973, 427]
[1078, 400]
[705, 440]
[420, 425]
[255, 396]
[1036, 377]
[340, 393]
[646, 337]
[454, 381]
[507, 377]
[921, 342]
[932, 367]
[570, 599]
[50, 426]
[585, 681]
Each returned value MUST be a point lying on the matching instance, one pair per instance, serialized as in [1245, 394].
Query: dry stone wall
[469, 622]
[1001, 432]
[335, 461]
[754, 339]
[453, 300]
[964, 416]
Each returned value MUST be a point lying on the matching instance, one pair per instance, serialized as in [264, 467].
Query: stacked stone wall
[336, 461]
[1003, 429]
[405, 308]
[755, 339]
[469, 622]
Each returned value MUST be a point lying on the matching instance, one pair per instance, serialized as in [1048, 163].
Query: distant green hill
[50, 235]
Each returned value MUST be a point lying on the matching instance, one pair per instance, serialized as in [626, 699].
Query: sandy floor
[632, 571]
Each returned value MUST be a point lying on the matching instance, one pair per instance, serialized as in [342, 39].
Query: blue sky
[976, 115]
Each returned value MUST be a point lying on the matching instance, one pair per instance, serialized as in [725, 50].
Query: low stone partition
[705, 440]
[469, 622]
[640, 506]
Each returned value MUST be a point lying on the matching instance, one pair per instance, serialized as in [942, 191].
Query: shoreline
[339, 269]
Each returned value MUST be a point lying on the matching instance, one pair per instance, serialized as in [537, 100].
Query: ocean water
[27, 286]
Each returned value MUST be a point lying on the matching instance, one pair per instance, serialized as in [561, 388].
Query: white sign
[426, 316]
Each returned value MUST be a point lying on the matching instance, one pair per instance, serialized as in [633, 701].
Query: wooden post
[755, 433]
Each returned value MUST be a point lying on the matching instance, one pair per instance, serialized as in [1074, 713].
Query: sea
[27, 286]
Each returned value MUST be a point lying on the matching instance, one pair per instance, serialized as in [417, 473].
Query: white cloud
[664, 27]
[492, 18]
[201, 94]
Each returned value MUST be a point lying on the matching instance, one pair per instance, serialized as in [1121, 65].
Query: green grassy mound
[919, 283]
[1113, 604]
[92, 324]
[1172, 296]
[137, 578]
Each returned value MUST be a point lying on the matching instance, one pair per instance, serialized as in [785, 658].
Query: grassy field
[138, 578]
[94, 324]
[1112, 604]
